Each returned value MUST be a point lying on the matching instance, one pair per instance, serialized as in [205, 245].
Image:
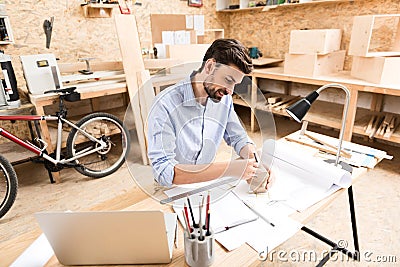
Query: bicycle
[96, 146]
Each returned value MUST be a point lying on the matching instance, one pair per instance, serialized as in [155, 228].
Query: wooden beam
[351, 115]
[132, 60]
[94, 66]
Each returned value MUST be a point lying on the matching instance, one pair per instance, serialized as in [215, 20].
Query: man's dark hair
[229, 51]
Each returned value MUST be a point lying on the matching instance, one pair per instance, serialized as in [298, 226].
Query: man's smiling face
[221, 81]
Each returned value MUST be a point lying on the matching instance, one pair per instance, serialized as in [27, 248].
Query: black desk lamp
[299, 109]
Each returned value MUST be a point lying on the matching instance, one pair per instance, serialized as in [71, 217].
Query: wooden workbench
[10, 150]
[100, 90]
[134, 200]
[333, 110]
[40, 101]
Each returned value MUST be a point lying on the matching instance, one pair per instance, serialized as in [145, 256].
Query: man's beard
[214, 94]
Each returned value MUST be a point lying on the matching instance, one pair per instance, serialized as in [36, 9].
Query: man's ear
[209, 66]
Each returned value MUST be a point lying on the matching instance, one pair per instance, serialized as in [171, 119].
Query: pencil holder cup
[199, 252]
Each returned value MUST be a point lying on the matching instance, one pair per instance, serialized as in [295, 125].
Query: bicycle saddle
[63, 91]
[68, 94]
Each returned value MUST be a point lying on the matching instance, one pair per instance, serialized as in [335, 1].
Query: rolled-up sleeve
[235, 135]
[161, 146]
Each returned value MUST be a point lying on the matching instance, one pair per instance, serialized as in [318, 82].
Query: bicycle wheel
[102, 126]
[8, 186]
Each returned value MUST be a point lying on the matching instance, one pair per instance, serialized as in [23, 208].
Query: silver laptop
[109, 237]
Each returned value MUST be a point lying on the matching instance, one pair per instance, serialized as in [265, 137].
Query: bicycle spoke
[102, 161]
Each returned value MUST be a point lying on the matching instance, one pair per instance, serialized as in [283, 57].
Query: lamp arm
[345, 109]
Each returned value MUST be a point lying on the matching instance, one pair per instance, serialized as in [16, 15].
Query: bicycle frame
[38, 151]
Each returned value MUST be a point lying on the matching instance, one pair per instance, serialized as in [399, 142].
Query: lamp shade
[299, 109]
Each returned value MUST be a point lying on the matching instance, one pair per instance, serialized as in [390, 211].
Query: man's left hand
[262, 182]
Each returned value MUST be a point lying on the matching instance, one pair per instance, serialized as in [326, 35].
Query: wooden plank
[319, 41]
[314, 144]
[361, 35]
[376, 102]
[107, 102]
[97, 75]
[376, 69]
[351, 114]
[313, 64]
[187, 53]
[146, 97]
[291, 5]
[94, 66]
[342, 152]
[274, 99]
[368, 127]
[132, 59]
[254, 88]
[161, 63]
[283, 101]
[287, 104]
[375, 126]
[46, 137]
[264, 61]
[391, 128]
[87, 92]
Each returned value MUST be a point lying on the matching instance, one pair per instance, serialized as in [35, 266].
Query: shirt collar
[188, 95]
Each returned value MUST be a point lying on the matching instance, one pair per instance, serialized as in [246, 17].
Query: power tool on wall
[8, 87]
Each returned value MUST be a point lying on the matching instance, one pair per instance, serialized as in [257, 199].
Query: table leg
[253, 102]
[47, 139]
[351, 114]
[336, 247]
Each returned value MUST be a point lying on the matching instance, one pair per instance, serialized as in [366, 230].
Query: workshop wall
[270, 30]
[75, 36]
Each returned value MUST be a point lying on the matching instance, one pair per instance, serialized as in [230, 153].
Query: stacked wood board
[314, 52]
[372, 61]
[140, 95]
[381, 125]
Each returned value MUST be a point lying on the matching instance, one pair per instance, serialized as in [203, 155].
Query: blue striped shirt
[182, 131]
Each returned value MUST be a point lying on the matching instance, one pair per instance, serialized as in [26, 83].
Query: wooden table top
[132, 200]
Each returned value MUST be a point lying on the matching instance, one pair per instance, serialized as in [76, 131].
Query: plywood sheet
[133, 64]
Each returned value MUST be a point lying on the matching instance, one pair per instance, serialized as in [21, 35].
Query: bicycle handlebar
[62, 91]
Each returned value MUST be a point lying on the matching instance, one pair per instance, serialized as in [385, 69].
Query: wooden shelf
[289, 5]
[330, 114]
[257, 8]
[362, 122]
[270, 7]
[98, 10]
[240, 102]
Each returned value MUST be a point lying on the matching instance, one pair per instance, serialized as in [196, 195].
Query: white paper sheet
[263, 237]
[301, 180]
[228, 210]
[198, 24]
[168, 37]
[189, 21]
[37, 254]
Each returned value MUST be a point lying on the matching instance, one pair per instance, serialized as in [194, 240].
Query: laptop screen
[109, 237]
